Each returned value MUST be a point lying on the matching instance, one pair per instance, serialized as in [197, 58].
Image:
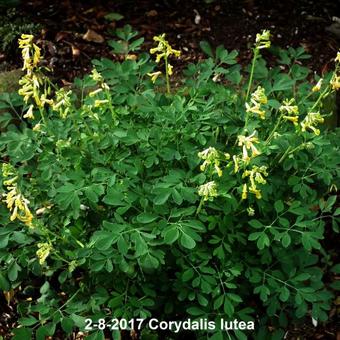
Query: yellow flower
[154, 75]
[98, 103]
[96, 76]
[256, 192]
[247, 143]
[29, 113]
[335, 83]
[37, 127]
[95, 92]
[170, 69]
[208, 190]
[337, 59]
[288, 107]
[256, 177]
[256, 109]
[263, 40]
[18, 206]
[250, 211]
[318, 85]
[259, 96]
[244, 191]
[311, 121]
[163, 49]
[293, 119]
[212, 157]
[43, 252]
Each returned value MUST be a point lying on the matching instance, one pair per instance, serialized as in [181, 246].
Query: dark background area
[234, 23]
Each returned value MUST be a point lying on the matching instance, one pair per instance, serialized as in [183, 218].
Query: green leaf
[113, 16]
[67, 325]
[98, 335]
[263, 241]
[4, 284]
[114, 197]
[195, 311]
[254, 236]
[283, 83]
[279, 206]
[79, 321]
[123, 246]
[22, 333]
[171, 235]
[29, 321]
[4, 241]
[42, 332]
[336, 269]
[302, 277]
[286, 240]
[256, 224]
[188, 275]
[284, 294]
[45, 288]
[146, 217]
[228, 308]
[219, 302]
[13, 270]
[103, 240]
[187, 241]
[206, 48]
[161, 198]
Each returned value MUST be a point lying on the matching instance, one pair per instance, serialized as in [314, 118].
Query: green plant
[125, 45]
[12, 26]
[208, 203]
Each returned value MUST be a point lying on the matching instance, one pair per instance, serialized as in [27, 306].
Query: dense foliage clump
[126, 199]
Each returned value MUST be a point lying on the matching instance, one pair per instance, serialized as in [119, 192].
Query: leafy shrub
[209, 202]
[12, 26]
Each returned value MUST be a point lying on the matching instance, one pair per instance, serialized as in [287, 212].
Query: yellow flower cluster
[255, 177]
[62, 103]
[96, 76]
[16, 202]
[43, 252]
[163, 51]
[262, 40]
[335, 82]
[212, 157]
[311, 121]
[258, 98]
[208, 190]
[337, 59]
[291, 110]
[31, 82]
[247, 144]
[30, 52]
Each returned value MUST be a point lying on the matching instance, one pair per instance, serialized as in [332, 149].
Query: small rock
[93, 36]
[152, 13]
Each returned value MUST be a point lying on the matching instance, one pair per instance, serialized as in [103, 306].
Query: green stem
[108, 97]
[167, 76]
[274, 130]
[256, 53]
[322, 96]
[200, 206]
[43, 116]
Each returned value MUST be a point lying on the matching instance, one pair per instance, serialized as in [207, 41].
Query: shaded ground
[233, 23]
